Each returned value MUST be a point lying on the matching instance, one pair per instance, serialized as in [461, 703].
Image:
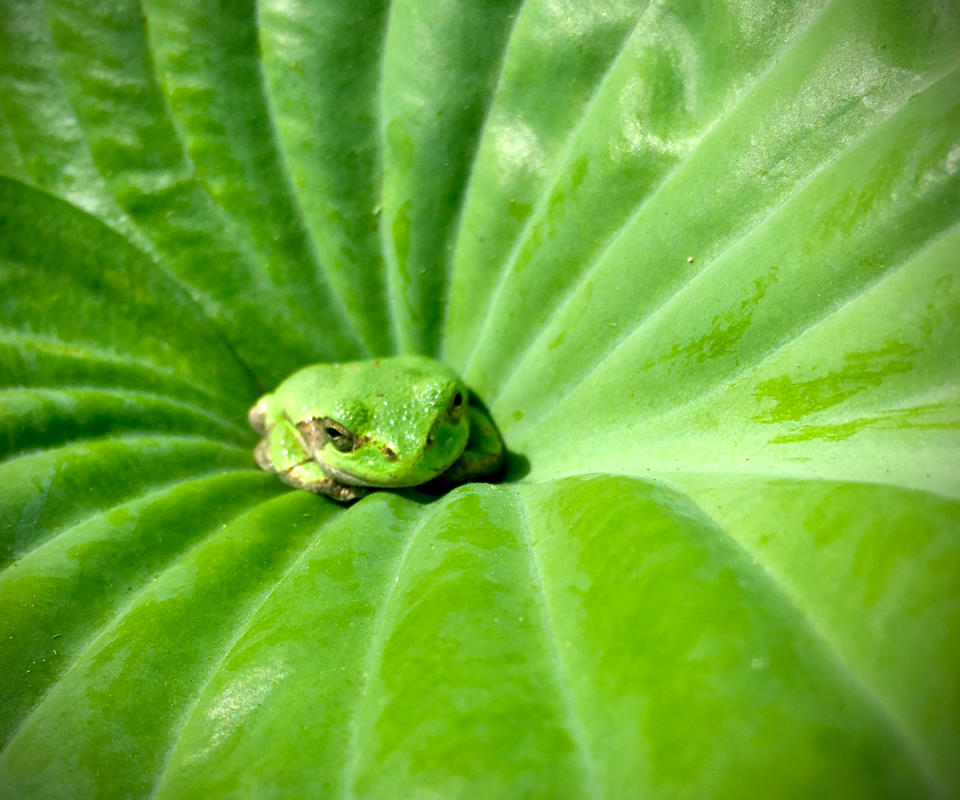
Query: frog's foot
[306, 475]
[483, 456]
[473, 466]
[309, 476]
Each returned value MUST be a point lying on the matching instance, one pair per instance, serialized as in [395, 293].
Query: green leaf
[699, 259]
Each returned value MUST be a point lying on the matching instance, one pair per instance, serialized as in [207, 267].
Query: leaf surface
[699, 259]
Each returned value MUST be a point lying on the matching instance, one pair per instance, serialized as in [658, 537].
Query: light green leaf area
[700, 259]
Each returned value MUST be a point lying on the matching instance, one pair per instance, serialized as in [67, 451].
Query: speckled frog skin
[344, 428]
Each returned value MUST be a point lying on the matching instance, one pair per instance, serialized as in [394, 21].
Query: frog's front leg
[484, 454]
[282, 452]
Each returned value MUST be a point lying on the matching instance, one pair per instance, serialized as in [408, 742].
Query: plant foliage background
[699, 257]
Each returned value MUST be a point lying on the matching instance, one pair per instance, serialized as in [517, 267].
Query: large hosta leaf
[700, 260]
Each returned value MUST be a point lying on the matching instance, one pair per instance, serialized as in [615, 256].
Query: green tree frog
[342, 429]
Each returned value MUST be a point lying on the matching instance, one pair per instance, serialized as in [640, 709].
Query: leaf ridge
[254, 608]
[157, 401]
[227, 233]
[149, 436]
[147, 496]
[374, 651]
[97, 635]
[592, 787]
[86, 352]
[191, 296]
[79, 182]
[886, 715]
[837, 308]
[227, 225]
[340, 306]
[457, 229]
[188, 289]
[774, 61]
[387, 252]
[658, 311]
[133, 394]
[548, 184]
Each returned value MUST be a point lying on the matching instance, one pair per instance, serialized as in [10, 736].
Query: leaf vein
[155, 491]
[544, 197]
[658, 311]
[374, 652]
[592, 787]
[258, 603]
[830, 312]
[286, 179]
[751, 86]
[594, 264]
[386, 250]
[457, 230]
[97, 635]
[833, 654]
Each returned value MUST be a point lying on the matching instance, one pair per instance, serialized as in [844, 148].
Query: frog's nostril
[430, 440]
[455, 407]
[390, 454]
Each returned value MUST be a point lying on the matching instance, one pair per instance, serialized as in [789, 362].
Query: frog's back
[319, 388]
[315, 385]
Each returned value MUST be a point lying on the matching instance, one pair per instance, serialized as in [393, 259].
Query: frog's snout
[257, 416]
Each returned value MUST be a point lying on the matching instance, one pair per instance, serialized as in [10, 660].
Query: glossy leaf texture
[698, 258]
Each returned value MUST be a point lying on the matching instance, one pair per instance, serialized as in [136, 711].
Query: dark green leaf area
[57, 597]
[156, 653]
[302, 665]
[205, 190]
[79, 305]
[594, 636]
[704, 647]
[35, 418]
[208, 58]
[42, 492]
[46, 146]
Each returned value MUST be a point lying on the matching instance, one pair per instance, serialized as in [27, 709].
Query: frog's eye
[337, 435]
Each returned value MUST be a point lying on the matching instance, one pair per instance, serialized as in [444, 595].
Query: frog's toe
[475, 467]
[341, 493]
[310, 477]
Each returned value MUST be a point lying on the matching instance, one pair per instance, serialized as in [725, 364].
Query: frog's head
[404, 428]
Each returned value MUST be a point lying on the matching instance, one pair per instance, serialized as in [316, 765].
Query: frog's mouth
[353, 480]
[348, 478]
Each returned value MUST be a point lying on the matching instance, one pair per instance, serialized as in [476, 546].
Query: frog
[343, 429]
